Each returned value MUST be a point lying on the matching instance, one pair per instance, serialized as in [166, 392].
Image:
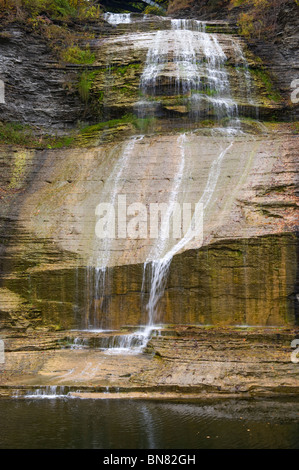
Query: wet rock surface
[180, 361]
[242, 272]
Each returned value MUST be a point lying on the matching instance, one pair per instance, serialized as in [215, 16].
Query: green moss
[123, 70]
[76, 55]
[18, 169]
[12, 133]
[84, 85]
[207, 92]
[207, 123]
[264, 77]
[119, 87]
[127, 119]
[108, 131]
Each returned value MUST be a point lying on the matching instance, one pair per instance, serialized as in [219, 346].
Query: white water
[193, 62]
[134, 343]
[159, 259]
[53, 391]
[117, 18]
[180, 48]
[157, 254]
[160, 266]
[102, 247]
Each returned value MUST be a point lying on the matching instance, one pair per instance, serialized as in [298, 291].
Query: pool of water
[129, 424]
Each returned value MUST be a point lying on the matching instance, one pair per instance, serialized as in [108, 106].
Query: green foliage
[151, 10]
[12, 133]
[61, 8]
[54, 9]
[52, 142]
[84, 85]
[75, 55]
[259, 20]
[237, 3]
[15, 133]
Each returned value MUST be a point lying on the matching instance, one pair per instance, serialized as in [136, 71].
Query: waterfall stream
[190, 63]
[117, 18]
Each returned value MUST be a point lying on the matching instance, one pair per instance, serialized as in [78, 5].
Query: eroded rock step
[137, 22]
[182, 361]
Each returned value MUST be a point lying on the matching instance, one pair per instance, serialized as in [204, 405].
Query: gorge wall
[169, 110]
[245, 271]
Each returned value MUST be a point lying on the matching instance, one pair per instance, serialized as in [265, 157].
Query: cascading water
[188, 64]
[197, 80]
[160, 266]
[50, 391]
[96, 273]
[192, 62]
[117, 18]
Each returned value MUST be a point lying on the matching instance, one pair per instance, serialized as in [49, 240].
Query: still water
[128, 424]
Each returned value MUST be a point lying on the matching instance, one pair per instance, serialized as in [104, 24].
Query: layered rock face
[247, 232]
[146, 70]
[279, 52]
[180, 362]
[241, 270]
[179, 97]
[36, 93]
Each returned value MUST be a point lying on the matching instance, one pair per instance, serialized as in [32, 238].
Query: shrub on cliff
[75, 55]
[259, 18]
[199, 7]
[150, 10]
[53, 9]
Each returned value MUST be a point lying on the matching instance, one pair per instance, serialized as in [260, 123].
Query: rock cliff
[148, 137]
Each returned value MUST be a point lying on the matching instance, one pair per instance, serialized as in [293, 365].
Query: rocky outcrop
[242, 271]
[278, 53]
[36, 84]
[183, 362]
[44, 92]
[48, 207]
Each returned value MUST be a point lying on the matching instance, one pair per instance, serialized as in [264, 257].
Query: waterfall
[192, 62]
[160, 258]
[117, 18]
[184, 63]
[134, 343]
[160, 266]
[49, 391]
[190, 75]
[96, 273]
[189, 24]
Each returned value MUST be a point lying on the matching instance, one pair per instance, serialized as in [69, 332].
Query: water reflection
[128, 424]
